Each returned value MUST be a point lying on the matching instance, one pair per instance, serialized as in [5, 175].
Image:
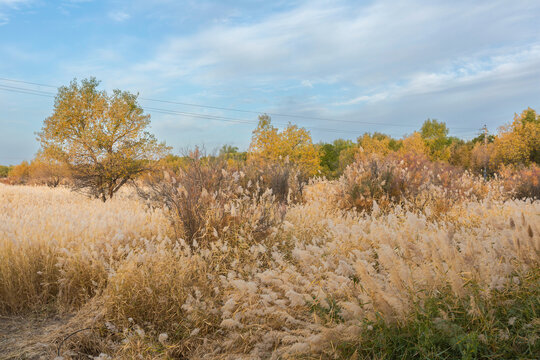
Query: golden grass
[302, 289]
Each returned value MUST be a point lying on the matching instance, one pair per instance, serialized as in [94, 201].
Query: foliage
[301, 290]
[292, 145]
[519, 142]
[47, 171]
[413, 144]
[522, 182]
[206, 201]
[101, 138]
[460, 153]
[435, 135]
[402, 256]
[409, 180]
[40, 171]
[4, 171]
[376, 144]
[20, 173]
[332, 161]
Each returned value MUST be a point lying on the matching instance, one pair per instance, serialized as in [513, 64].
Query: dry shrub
[409, 180]
[206, 200]
[521, 182]
[286, 181]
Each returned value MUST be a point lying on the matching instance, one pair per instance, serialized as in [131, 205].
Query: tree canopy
[293, 145]
[101, 138]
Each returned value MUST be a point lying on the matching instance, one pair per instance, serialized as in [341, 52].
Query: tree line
[97, 142]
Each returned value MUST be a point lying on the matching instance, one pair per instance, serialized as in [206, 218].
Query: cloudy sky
[340, 68]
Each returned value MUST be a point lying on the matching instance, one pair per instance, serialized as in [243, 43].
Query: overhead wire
[173, 112]
[246, 111]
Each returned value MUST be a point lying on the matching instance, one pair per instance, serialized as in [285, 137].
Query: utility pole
[485, 152]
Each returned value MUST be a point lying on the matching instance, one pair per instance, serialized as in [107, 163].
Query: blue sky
[366, 65]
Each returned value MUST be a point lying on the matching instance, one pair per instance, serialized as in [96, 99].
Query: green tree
[230, 152]
[330, 156]
[435, 136]
[101, 138]
[4, 171]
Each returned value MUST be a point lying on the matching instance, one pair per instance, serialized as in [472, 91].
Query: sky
[338, 68]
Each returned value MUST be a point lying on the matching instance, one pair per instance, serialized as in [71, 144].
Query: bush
[206, 201]
[409, 180]
[19, 174]
[521, 182]
[300, 290]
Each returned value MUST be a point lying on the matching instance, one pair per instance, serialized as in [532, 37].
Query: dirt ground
[29, 337]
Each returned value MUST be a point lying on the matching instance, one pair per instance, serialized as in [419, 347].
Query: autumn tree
[19, 174]
[435, 135]
[376, 143]
[413, 144]
[101, 138]
[292, 145]
[47, 171]
[519, 142]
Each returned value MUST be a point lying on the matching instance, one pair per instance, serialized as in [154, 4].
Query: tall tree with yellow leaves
[292, 145]
[519, 142]
[101, 138]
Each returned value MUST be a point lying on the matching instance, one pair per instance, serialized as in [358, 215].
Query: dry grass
[301, 290]
[57, 248]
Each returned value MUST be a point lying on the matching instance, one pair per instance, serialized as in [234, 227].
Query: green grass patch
[504, 326]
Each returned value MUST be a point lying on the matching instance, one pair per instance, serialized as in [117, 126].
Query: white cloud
[13, 3]
[119, 16]
[8, 6]
[524, 62]
[361, 45]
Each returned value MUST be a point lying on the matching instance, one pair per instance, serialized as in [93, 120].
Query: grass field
[326, 282]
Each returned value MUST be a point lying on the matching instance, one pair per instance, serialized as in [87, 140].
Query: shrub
[206, 201]
[19, 174]
[409, 180]
[521, 182]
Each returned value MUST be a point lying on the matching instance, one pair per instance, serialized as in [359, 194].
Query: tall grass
[57, 248]
[316, 284]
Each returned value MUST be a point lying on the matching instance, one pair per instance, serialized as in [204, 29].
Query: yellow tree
[293, 145]
[413, 144]
[519, 142]
[374, 144]
[101, 138]
[19, 174]
[45, 170]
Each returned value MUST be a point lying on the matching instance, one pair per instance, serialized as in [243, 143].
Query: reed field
[378, 264]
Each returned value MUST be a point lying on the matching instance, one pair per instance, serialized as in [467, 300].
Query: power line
[28, 82]
[251, 111]
[173, 112]
[223, 118]
[24, 91]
